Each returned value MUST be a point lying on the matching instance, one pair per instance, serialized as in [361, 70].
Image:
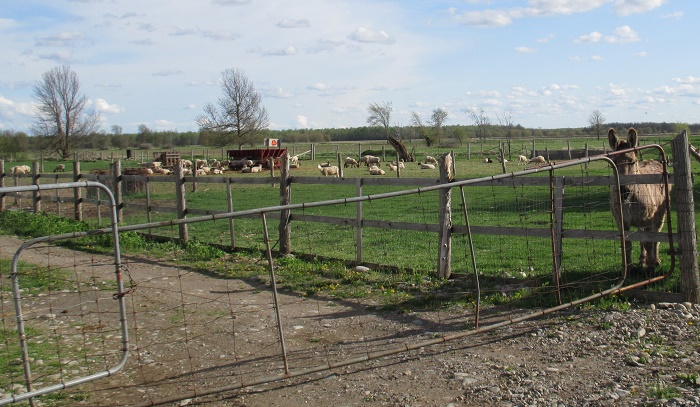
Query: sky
[321, 63]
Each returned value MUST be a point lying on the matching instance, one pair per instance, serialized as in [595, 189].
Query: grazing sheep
[426, 166]
[370, 160]
[60, 168]
[393, 167]
[332, 170]
[522, 160]
[643, 205]
[251, 169]
[326, 164]
[351, 162]
[430, 160]
[235, 165]
[537, 160]
[186, 163]
[200, 163]
[374, 170]
[162, 171]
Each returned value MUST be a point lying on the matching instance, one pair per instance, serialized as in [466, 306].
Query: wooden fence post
[2, 184]
[285, 231]
[231, 222]
[358, 224]
[685, 207]
[181, 201]
[445, 218]
[36, 195]
[117, 182]
[77, 193]
[340, 167]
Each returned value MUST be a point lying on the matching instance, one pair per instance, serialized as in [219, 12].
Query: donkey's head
[625, 162]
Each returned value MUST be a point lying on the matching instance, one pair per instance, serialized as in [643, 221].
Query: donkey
[643, 205]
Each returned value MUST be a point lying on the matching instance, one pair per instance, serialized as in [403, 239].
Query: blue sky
[320, 63]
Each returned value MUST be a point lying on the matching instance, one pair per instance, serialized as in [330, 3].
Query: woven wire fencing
[195, 333]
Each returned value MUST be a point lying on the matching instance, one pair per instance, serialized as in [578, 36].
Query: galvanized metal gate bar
[17, 296]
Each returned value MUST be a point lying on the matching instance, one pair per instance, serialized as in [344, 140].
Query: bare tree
[117, 129]
[423, 132]
[505, 119]
[437, 119]
[380, 116]
[62, 115]
[239, 116]
[482, 122]
[596, 120]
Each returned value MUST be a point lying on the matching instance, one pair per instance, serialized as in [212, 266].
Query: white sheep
[17, 170]
[393, 167]
[217, 171]
[332, 170]
[430, 160]
[144, 171]
[426, 166]
[252, 169]
[374, 170]
[537, 160]
[370, 160]
[488, 160]
[162, 171]
[200, 172]
[522, 160]
[60, 168]
[351, 162]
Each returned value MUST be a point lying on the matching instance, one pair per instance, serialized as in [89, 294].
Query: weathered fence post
[231, 222]
[36, 195]
[358, 224]
[285, 231]
[181, 202]
[147, 187]
[77, 193]
[340, 167]
[469, 150]
[2, 184]
[117, 182]
[445, 218]
[685, 207]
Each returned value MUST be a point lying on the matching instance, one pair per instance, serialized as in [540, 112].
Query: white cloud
[60, 39]
[363, 34]
[302, 122]
[525, 50]
[290, 23]
[6, 23]
[318, 86]
[675, 15]
[594, 36]
[485, 18]
[289, 50]
[616, 90]
[547, 38]
[623, 35]
[60, 56]
[642, 54]
[103, 106]
[627, 7]
[689, 79]
[276, 92]
[168, 72]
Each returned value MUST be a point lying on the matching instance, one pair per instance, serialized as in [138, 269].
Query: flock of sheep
[522, 160]
[373, 165]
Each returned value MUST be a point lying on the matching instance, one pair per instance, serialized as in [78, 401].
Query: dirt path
[190, 332]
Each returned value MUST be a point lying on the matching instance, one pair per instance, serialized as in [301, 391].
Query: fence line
[617, 287]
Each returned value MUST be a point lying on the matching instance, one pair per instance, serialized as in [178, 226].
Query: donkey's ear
[613, 139]
[632, 137]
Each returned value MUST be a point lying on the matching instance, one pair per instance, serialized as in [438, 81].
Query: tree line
[64, 123]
